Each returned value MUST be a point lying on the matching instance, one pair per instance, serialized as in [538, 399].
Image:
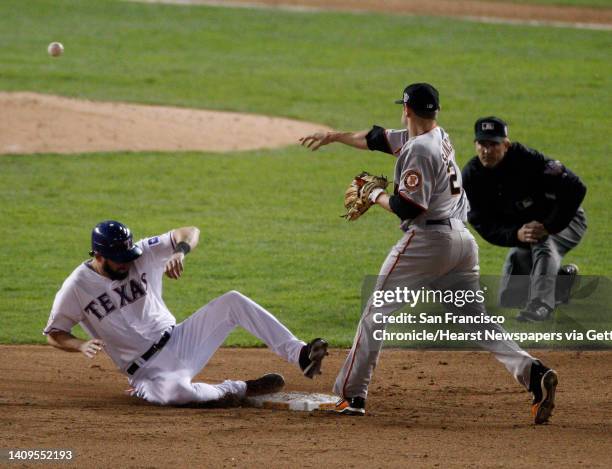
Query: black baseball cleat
[536, 311]
[267, 384]
[351, 406]
[311, 357]
[542, 384]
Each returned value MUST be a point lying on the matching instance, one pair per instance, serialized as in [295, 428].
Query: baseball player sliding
[436, 249]
[117, 299]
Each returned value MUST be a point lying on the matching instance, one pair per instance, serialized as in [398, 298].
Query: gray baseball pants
[530, 273]
[437, 256]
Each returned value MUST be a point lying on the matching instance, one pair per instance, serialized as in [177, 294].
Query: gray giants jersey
[128, 315]
[427, 175]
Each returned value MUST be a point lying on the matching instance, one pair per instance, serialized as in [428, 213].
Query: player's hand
[174, 266]
[91, 347]
[317, 140]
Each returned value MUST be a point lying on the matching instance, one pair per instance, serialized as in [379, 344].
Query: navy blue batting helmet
[113, 240]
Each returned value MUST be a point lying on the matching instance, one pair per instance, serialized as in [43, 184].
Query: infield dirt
[527, 13]
[426, 409]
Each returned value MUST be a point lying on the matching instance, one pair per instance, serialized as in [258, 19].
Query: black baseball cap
[422, 98]
[490, 129]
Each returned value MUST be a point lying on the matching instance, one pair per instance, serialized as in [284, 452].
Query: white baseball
[55, 49]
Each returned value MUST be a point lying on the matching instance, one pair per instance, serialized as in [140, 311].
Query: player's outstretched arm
[69, 343]
[353, 139]
[185, 239]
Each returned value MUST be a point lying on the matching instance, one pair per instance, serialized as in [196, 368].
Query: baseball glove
[357, 195]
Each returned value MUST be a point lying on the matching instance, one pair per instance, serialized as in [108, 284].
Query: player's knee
[234, 295]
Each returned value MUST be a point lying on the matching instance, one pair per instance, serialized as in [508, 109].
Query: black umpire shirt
[525, 186]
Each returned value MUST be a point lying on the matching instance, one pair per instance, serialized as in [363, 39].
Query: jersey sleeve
[386, 140]
[397, 139]
[560, 186]
[65, 313]
[416, 181]
[158, 249]
[568, 191]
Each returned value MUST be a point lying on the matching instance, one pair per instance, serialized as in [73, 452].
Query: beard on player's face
[115, 270]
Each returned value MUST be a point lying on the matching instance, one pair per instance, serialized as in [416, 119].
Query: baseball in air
[55, 49]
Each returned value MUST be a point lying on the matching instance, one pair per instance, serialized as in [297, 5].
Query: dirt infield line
[425, 409]
[469, 10]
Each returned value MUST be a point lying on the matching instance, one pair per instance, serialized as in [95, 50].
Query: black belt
[445, 221]
[156, 347]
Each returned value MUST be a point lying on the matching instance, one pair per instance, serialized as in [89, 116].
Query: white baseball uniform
[129, 316]
[435, 251]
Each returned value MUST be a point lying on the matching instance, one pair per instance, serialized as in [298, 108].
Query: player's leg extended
[204, 332]
[195, 340]
[166, 380]
[405, 266]
[528, 371]
[465, 276]
[517, 361]
[176, 388]
[355, 375]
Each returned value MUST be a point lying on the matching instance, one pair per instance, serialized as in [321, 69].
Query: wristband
[375, 193]
[182, 247]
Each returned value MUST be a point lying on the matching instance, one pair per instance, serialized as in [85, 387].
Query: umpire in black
[521, 199]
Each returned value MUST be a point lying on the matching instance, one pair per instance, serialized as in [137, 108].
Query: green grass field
[270, 219]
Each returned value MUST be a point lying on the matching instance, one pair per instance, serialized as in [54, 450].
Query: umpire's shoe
[536, 311]
[311, 357]
[351, 406]
[542, 384]
[566, 280]
[267, 384]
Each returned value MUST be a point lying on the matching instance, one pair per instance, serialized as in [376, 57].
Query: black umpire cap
[422, 98]
[490, 129]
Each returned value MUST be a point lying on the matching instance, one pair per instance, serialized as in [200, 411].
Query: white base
[294, 400]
